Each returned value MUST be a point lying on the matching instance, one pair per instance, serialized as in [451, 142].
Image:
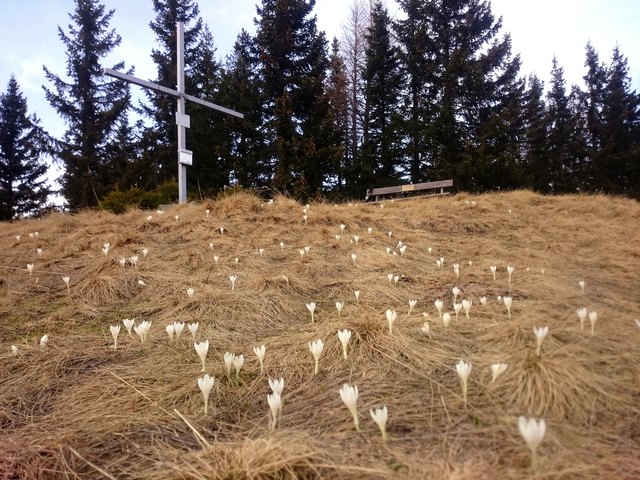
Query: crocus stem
[534, 459]
[316, 369]
[355, 420]
[206, 405]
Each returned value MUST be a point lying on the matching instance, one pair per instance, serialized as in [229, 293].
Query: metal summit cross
[182, 119]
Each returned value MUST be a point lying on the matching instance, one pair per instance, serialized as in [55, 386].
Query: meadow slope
[77, 408]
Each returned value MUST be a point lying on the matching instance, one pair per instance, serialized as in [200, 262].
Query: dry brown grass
[79, 409]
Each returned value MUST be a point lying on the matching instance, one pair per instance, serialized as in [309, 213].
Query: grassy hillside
[77, 408]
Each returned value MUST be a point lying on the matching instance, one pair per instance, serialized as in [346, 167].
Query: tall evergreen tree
[294, 63]
[23, 188]
[413, 36]
[91, 106]
[618, 168]
[536, 159]
[161, 138]
[382, 76]
[595, 82]
[473, 79]
[337, 96]
[241, 90]
[559, 119]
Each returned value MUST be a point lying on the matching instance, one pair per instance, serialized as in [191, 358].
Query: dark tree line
[437, 94]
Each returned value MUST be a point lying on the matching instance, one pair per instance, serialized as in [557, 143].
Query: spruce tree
[337, 96]
[536, 158]
[382, 77]
[559, 118]
[293, 68]
[241, 90]
[92, 106]
[618, 169]
[472, 79]
[23, 188]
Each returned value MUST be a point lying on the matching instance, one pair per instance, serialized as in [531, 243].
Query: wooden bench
[441, 187]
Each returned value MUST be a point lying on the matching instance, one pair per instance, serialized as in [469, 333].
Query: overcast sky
[540, 29]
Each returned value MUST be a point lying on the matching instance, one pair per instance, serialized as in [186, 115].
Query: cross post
[182, 119]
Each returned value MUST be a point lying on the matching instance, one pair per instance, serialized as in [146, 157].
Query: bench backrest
[410, 188]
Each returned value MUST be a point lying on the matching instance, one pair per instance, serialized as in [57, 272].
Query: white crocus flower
[379, 415]
[191, 291]
[508, 301]
[446, 319]
[193, 328]
[149, 218]
[221, 230]
[302, 252]
[178, 327]
[497, 369]
[18, 238]
[115, 331]
[128, 324]
[145, 252]
[233, 279]
[312, 308]
[356, 238]
[396, 278]
[349, 395]
[464, 369]
[426, 328]
[344, 336]
[510, 270]
[456, 308]
[391, 317]
[402, 249]
[133, 260]
[66, 279]
[388, 250]
[438, 263]
[238, 362]
[339, 307]
[369, 230]
[337, 237]
[353, 258]
[540, 333]
[282, 246]
[122, 261]
[582, 315]
[276, 385]
[390, 277]
[439, 304]
[14, 350]
[456, 269]
[493, 269]
[44, 340]
[275, 404]
[306, 249]
[228, 362]
[342, 227]
[429, 250]
[412, 304]
[260, 351]
[105, 248]
[206, 384]
[456, 292]
[30, 268]
[171, 330]
[39, 251]
[593, 316]
[316, 348]
[533, 432]
[466, 305]
[581, 283]
[201, 349]
[483, 300]
[357, 294]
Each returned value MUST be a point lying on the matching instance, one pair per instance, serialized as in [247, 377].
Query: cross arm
[174, 93]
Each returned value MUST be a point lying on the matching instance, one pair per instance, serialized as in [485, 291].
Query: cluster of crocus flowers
[142, 330]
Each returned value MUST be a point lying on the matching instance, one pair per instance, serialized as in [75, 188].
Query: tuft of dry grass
[80, 409]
